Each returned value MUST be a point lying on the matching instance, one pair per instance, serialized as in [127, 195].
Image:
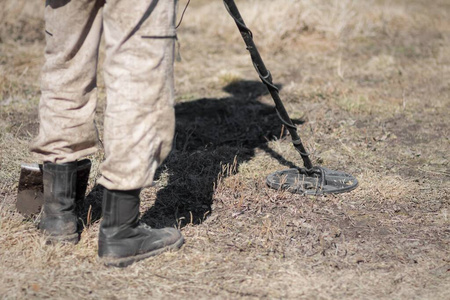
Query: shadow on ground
[210, 134]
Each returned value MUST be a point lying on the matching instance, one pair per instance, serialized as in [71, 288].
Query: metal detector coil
[311, 180]
[300, 181]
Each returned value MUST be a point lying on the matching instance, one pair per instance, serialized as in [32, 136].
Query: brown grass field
[369, 84]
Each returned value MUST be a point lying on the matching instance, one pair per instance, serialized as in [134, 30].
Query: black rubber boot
[123, 239]
[59, 219]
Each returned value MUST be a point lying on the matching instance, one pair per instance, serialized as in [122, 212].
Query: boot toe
[161, 238]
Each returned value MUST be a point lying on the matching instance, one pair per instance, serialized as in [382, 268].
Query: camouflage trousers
[139, 116]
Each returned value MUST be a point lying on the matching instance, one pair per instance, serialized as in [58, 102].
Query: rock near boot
[59, 219]
[123, 239]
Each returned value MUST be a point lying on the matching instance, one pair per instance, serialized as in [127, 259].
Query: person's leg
[138, 70]
[67, 107]
[69, 88]
[139, 124]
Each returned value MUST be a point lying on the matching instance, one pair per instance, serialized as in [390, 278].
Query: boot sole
[69, 239]
[123, 262]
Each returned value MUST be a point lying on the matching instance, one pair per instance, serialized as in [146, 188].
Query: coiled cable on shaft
[266, 78]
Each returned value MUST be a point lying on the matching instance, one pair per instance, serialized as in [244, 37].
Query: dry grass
[370, 81]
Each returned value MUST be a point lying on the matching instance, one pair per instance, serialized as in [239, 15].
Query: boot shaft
[120, 212]
[59, 219]
[60, 184]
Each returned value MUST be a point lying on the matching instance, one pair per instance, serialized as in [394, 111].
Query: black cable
[182, 15]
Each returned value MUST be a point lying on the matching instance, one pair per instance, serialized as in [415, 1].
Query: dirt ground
[368, 85]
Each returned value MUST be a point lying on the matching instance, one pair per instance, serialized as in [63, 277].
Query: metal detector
[310, 180]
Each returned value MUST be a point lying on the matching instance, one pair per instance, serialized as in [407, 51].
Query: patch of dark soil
[410, 134]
